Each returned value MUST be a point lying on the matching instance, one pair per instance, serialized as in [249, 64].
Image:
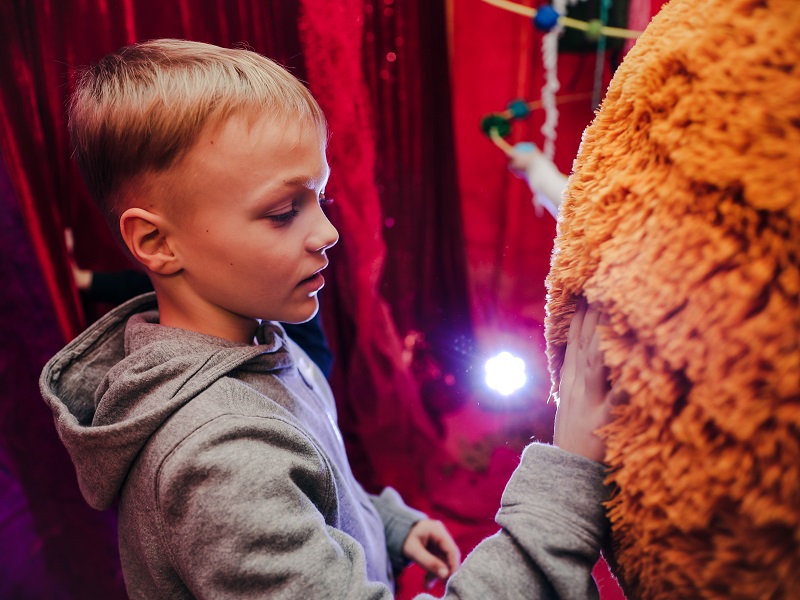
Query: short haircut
[140, 109]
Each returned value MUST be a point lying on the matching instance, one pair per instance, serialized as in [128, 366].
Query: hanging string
[599, 67]
[500, 142]
[497, 126]
[550, 88]
[552, 19]
[552, 84]
[527, 11]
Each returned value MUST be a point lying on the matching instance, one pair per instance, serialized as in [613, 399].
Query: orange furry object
[681, 222]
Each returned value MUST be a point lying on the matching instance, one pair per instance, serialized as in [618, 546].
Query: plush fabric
[681, 222]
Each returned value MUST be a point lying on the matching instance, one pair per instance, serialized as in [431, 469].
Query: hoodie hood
[114, 385]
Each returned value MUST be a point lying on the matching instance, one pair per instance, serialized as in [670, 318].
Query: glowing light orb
[505, 373]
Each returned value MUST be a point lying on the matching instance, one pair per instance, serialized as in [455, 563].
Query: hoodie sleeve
[239, 509]
[397, 521]
[552, 523]
[237, 527]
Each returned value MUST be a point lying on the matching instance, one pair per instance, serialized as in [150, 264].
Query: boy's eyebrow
[306, 181]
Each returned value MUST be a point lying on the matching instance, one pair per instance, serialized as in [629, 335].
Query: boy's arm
[553, 523]
[241, 503]
[412, 537]
[397, 521]
[552, 515]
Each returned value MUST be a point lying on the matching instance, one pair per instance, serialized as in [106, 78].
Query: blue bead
[519, 109]
[525, 147]
[545, 18]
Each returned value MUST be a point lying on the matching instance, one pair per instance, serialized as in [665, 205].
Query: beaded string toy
[594, 27]
[550, 19]
[497, 126]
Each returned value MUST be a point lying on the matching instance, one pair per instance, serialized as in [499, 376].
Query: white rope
[551, 84]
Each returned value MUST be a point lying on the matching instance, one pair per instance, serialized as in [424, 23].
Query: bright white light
[505, 373]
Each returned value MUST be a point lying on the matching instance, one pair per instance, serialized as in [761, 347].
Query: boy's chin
[300, 317]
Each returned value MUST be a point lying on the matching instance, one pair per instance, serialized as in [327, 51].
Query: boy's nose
[325, 235]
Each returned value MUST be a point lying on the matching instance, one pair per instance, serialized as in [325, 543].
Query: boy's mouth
[314, 277]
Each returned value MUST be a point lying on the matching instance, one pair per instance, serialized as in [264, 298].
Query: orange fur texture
[681, 222]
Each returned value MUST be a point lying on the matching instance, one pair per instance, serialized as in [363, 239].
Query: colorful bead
[594, 29]
[519, 109]
[496, 122]
[525, 147]
[545, 18]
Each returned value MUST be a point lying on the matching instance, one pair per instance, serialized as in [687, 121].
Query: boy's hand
[431, 546]
[585, 400]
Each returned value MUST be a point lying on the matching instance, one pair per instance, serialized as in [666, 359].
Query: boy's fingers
[454, 558]
[451, 553]
[432, 564]
[569, 366]
[442, 545]
[594, 358]
[576, 324]
[588, 328]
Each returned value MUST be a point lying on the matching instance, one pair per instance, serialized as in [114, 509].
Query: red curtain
[497, 58]
[406, 287]
[382, 418]
[53, 545]
[407, 68]
[388, 430]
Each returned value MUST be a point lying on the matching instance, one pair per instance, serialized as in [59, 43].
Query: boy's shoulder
[225, 412]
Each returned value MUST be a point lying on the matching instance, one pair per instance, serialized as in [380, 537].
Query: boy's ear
[145, 234]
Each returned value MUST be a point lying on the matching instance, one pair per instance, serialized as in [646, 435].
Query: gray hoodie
[233, 482]
[229, 467]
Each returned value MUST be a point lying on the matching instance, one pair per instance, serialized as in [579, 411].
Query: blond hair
[140, 109]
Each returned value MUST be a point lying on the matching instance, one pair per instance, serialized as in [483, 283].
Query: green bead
[594, 30]
[496, 122]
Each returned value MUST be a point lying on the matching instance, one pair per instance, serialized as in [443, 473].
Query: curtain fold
[52, 545]
[407, 69]
[31, 121]
[372, 302]
[382, 418]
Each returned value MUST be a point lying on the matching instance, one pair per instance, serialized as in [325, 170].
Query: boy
[215, 431]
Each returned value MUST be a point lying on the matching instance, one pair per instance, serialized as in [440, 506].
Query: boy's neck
[203, 318]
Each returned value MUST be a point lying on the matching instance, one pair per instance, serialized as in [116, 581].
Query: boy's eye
[324, 200]
[284, 218]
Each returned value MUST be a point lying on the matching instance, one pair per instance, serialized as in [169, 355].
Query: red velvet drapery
[379, 71]
[382, 416]
[497, 58]
[53, 545]
[389, 431]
